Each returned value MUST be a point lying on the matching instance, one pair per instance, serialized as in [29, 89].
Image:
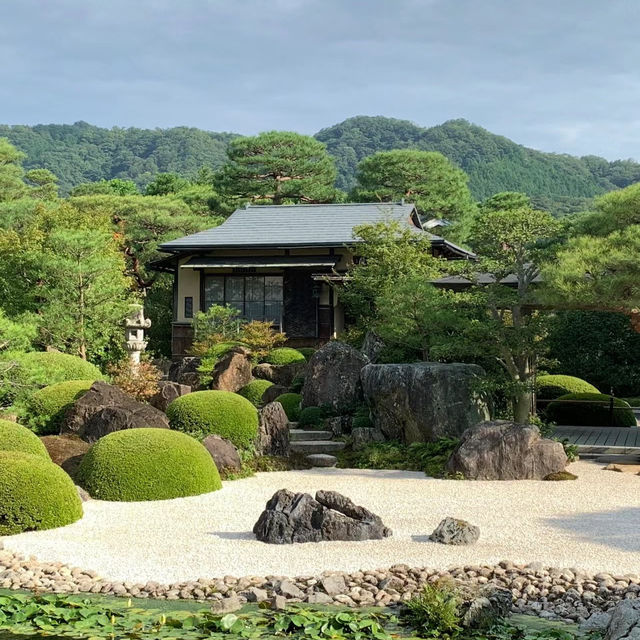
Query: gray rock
[319, 598]
[254, 594]
[339, 425]
[296, 517]
[598, 621]
[490, 605]
[273, 431]
[232, 371]
[456, 532]
[625, 621]
[333, 377]
[362, 436]
[290, 590]
[503, 450]
[168, 392]
[272, 392]
[278, 603]
[321, 460]
[423, 401]
[372, 346]
[82, 494]
[185, 371]
[333, 584]
[105, 409]
[223, 452]
[283, 375]
[226, 605]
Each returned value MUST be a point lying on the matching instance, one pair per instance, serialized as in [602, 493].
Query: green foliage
[147, 464]
[220, 412]
[113, 187]
[291, 404]
[23, 373]
[434, 612]
[307, 352]
[426, 178]
[35, 494]
[551, 387]
[217, 324]
[590, 409]
[17, 334]
[166, 183]
[278, 167]
[255, 390]
[430, 457]
[14, 437]
[12, 185]
[284, 355]
[45, 408]
[312, 417]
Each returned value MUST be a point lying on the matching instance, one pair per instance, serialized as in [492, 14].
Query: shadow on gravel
[233, 535]
[618, 528]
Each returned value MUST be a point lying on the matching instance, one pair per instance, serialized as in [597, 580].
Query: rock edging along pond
[567, 594]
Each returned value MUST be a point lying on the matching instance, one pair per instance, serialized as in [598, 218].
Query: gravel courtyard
[592, 523]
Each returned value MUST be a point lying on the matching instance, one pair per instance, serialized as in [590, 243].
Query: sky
[555, 75]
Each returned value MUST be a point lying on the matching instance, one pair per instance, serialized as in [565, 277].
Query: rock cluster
[566, 594]
[296, 517]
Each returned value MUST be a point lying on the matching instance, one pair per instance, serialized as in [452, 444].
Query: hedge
[592, 411]
[35, 494]
[46, 408]
[291, 404]
[14, 437]
[220, 412]
[550, 387]
[254, 391]
[284, 355]
[311, 417]
[147, 464]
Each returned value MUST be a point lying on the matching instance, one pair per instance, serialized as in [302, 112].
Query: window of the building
[188, 307]
[256, 297]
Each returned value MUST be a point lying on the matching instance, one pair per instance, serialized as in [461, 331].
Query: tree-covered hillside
[80, 152]
[494, 163]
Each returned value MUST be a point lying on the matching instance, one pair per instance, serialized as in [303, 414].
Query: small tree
[216, 324]
[261, 338]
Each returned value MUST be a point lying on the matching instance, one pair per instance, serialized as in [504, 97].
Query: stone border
[566, 594]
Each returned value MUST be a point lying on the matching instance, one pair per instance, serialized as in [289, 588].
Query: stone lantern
[135, 324]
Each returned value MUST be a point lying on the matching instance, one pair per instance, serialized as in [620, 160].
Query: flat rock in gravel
[455, 531]
[321, 460]
[296, 517]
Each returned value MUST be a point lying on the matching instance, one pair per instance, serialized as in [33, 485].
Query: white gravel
[592, 523]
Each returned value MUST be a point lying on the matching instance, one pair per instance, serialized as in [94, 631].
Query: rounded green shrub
[284, 355]
[311, 417]
[291, 404]
[147, 464]
[361, 422]
[550, 387]
[221, 412]
[14, 437]
[47, 406]
[254, 390]
[307, 352]
[35, 494]
[590, 409]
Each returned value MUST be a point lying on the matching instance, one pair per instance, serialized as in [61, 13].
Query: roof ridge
[325, 204]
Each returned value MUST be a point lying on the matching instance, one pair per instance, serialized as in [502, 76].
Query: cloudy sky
[557, 75]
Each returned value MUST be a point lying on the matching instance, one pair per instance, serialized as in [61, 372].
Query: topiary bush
[311, 417]
[307, 352]
[221, 412]
[14, 437]
[147, 464]
[291, 404]
[284, 355]
[46, 407]
[254, 390]
[590, 409]
[550, 387]
[35, 494]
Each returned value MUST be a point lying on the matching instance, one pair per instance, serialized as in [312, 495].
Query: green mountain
[81, 152]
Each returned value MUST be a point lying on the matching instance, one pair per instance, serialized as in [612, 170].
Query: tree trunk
[522, 407]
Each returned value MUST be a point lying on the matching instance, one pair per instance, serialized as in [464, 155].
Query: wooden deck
[602, 440]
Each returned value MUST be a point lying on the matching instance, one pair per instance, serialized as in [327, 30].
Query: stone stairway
[318, 447]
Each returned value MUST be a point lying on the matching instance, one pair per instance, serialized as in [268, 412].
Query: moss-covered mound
[14, 437]
[590, 409]
[147, 464]
[551, 387]
[291, 404]
[43, 368]
[307, 352]
[46, 407]
[221, 412]
[254, 390]
[313, 417]
[35, 494]
[284, 355]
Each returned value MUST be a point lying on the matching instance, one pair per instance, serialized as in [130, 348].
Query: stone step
[321, 460]
[316, 446]
[304, 434]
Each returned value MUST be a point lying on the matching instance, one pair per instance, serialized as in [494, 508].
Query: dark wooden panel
[181, 340]
[324, 321]
[300, 307]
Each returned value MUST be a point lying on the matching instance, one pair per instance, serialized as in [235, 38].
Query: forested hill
[82, 153]
[494, 163]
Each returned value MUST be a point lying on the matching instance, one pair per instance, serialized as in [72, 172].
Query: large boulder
[273, 431]
[624, 622]
[185, 371]
[167, 392]
[504, 450]
[423, 401]
[333, 377]
[232, 371]
[104, 409]
[223, 452]
[372, 346]
[296, 517]
[282, 375]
